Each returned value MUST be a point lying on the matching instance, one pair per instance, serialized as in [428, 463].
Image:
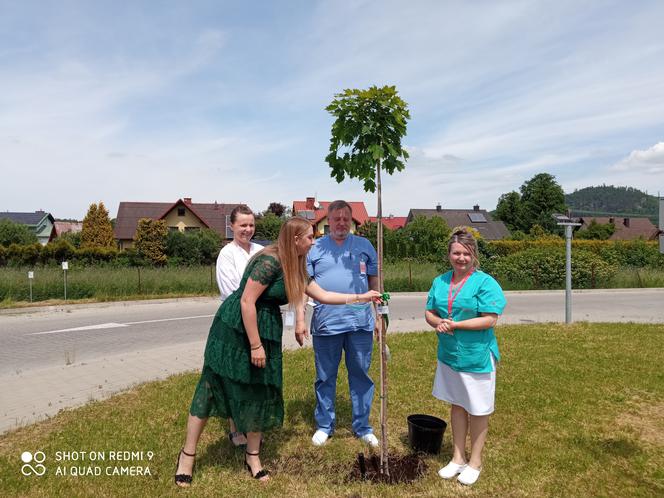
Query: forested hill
[606, 200]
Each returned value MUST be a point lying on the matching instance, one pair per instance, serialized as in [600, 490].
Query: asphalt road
[57, 336]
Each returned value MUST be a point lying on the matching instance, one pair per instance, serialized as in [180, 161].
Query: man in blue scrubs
[342, 262]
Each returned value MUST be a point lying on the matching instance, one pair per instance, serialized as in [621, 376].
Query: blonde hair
[464, 237]
[293, 265]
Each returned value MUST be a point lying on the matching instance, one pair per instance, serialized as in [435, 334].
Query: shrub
[182, 248]
[545, 268]
[97, 229]
[151, 240]
[15, 233]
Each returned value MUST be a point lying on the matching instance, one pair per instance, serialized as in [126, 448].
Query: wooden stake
[384, 466]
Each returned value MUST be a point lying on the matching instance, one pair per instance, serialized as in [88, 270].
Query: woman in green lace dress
[242, 371]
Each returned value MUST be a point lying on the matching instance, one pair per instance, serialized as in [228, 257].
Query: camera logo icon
[33, 463]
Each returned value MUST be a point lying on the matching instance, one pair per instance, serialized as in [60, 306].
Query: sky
[225, 100]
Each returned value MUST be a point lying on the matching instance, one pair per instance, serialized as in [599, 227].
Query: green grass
[106, 283]
[637, 277]
[580, 412]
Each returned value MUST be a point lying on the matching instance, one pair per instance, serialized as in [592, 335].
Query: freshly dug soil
[403, 469]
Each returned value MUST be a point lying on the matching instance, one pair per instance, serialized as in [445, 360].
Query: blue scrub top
[468, 350]
[342, 268]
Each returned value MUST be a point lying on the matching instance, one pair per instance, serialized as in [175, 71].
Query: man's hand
[301, 333]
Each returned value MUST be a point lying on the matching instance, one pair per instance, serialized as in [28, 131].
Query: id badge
[289, 318]
[363, 268]
[382, 309]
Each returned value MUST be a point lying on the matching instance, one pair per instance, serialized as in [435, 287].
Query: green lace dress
[230, 386]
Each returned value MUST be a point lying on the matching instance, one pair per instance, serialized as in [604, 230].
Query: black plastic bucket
[425, 433]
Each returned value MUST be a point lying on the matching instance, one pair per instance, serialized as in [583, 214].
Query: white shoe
[371, 440]
[469, 476]
[319, 438]
[451, 469]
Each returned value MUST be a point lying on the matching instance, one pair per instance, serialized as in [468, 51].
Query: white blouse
[231, 262]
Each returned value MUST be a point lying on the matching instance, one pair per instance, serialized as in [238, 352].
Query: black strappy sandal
[233, 435]
[261, 473]
[184, 480]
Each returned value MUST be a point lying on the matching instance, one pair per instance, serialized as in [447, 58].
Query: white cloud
[228, 104]
[649, 161]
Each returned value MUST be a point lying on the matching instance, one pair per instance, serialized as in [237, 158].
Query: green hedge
[545, 269]
[633, 254]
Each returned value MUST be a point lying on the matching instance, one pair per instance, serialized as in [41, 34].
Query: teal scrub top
[468, 350]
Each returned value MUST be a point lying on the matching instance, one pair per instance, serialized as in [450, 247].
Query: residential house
[477, 218]
[391, 222]
[62, 227]
[40, 222]
[316, 212]
[183, 215]
[625, 228]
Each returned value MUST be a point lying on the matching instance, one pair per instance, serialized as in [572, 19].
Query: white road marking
[117, 325]
[87, 327]
[170, 319]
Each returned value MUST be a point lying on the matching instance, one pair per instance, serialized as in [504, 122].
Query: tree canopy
[596, 231]
[368, 128]
[97, 230]
[540, 198]
[15, 233]
[607, 200]
[150, 240]
[268, 226]
[277, 209]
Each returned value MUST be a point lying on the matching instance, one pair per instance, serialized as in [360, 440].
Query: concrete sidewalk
[39, 394]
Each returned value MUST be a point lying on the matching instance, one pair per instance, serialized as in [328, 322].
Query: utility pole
[569, 224]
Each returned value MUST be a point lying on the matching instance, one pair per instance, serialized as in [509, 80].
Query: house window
[191, 229]
[173, 229]
[181, 211]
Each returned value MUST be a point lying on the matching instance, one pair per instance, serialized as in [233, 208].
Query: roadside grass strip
[579, 412]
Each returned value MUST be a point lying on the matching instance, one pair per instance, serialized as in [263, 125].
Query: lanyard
[451, 297]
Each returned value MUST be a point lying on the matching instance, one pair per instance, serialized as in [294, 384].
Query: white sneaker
[319, 438]
[469, 476]
[451, 469]
[371, 440]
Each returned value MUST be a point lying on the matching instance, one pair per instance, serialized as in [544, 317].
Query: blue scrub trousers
[327, 353]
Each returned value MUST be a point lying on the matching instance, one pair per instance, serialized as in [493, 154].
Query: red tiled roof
[67, 226]
[626, 228]
[212, 215]
[391, 222]
[360, 214]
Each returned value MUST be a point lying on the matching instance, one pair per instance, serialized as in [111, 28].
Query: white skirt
[475, 392]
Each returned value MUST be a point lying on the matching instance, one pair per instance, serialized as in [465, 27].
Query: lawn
[580, 412]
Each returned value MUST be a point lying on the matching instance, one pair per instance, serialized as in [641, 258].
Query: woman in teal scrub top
[463, 306]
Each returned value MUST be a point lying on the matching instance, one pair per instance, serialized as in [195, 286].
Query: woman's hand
[446, 326]
[372, 295]
[258, 357]
[301, 333]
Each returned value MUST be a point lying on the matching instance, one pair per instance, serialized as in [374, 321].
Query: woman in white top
[231, 262]
[234, 256]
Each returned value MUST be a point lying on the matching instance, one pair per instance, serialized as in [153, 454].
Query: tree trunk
[384, 467]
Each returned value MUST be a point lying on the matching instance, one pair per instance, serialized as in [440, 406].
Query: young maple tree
[366, 139]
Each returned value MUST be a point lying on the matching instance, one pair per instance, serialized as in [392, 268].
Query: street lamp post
[569, 224]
